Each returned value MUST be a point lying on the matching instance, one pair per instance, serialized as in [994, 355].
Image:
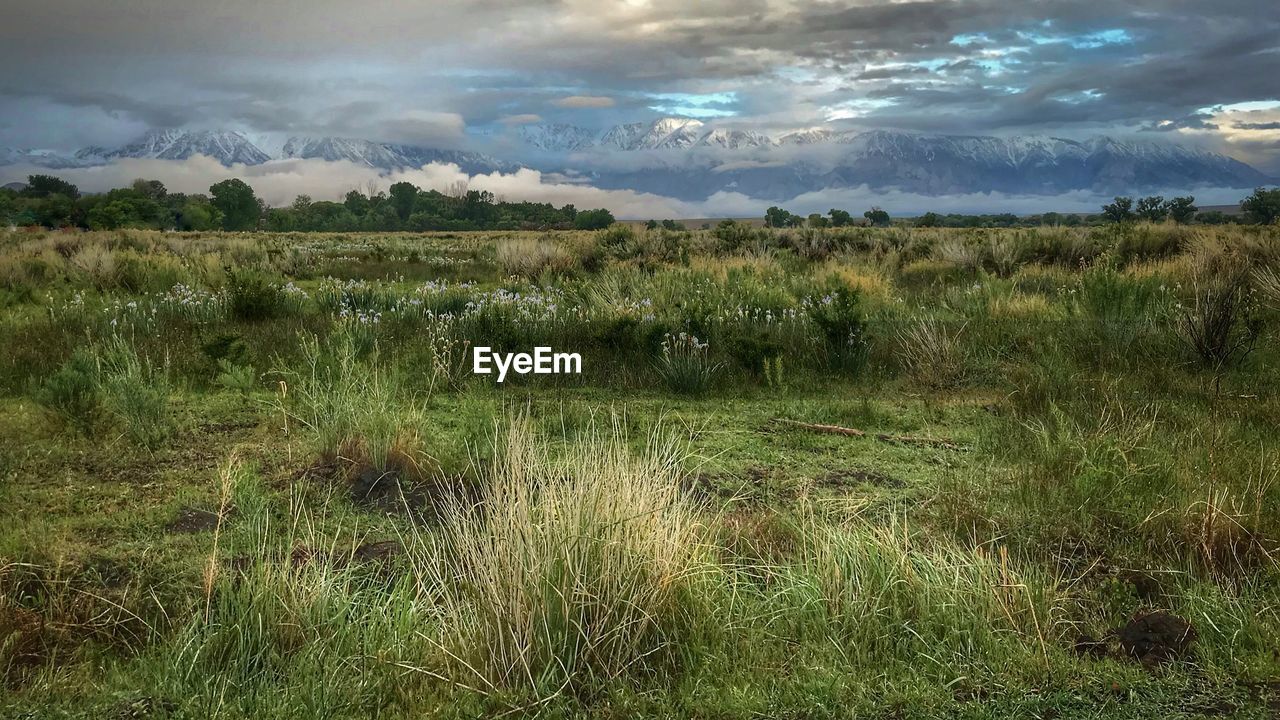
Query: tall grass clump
[111, 381]
[885, 594]
[1219, 323]
[137, 393]
[355, 409]
[685, 364]
[932, 354]
[573, 568]
[530, 257]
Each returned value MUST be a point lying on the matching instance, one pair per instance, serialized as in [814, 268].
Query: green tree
[1152, 209]
[1263, 206]
[111, 215]
[777, 217]
[236, 201]
[593, 219]
[1119, 211]
[816, 220]
[196, 215]
[840, 218]
[403, 196]
[42, 186]
[929, 219]
[1182, 209]
[878, 217]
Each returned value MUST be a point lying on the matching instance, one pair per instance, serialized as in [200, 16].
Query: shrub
[252, 296]
[838, 316]
[74, 391]
[1219, 324]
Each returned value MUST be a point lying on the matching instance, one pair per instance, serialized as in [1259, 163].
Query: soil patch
[1156, 637]
[193, 520]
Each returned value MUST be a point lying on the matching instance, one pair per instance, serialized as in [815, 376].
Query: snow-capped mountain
[227, 147]
[388, 156]
[558, 137]
[39, 158]
[691, 160]
[810, 160]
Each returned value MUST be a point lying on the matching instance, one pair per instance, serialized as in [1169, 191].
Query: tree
[357, 203]
[1152, 209]
[196, 215]
[1263, 206]
[840, 218]
[403, 196]
[1182, 209]
[151, 189]
[593, 219]
[111, 215]
[672, 225]
[42, 186]
[929, 219]
[776, 217]
[239, 206]
[877, 217]
[816, 220]
[1119, 211]
[651, 225]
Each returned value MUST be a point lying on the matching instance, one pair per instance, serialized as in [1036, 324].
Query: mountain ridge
[692, 160]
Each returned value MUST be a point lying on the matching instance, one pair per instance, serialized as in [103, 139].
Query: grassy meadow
[847, 472]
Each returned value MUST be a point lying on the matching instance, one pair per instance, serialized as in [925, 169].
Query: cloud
[522, 119]
[584, 101]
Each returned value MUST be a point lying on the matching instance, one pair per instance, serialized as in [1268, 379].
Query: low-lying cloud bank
[278, 182]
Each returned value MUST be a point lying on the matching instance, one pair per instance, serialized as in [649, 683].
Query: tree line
[232, 204]
[1260, 208]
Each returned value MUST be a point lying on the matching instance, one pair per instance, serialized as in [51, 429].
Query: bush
[74, 391]
[252, 296]
[838, 316]
[1219, 324]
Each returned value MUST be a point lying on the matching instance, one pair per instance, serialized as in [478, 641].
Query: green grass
[185, 454]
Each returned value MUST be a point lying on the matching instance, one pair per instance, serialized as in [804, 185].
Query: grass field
[812, 473]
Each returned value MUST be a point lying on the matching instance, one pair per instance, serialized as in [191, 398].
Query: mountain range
[691, 160]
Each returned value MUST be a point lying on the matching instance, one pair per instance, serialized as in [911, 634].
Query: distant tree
[236, 201]
[1119, 211]
[150, 189]
[1152, 209]
[197, 215]
[42, 186]
[357, 203]
[1182, 209]
[651, 225]
[840, 218]
[816, 220]
[776, 217]
[593, 219]
[929, 219]
[403, 196]
[672, 225]
[1213, 217]
[111, 215]
[1263, 206]
[877, 217]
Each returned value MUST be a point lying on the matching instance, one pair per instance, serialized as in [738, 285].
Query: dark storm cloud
[410, 70]
[1257, 126]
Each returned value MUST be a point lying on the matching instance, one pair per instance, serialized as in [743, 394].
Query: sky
[468, 74]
